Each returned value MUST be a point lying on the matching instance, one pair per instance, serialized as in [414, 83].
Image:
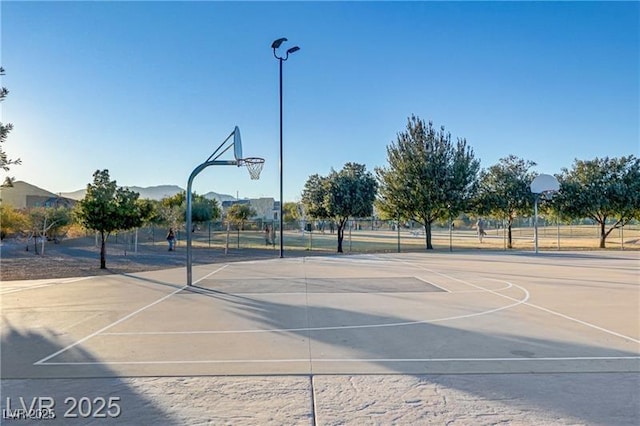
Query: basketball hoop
[254, 166]
[543, 187]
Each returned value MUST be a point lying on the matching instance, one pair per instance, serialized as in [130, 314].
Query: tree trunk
[603, 235]
[103, 251]
[340, 235]
[44, 235]
[427, 235]
[509, 240]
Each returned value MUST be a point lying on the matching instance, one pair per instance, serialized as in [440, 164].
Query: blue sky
[149, 89]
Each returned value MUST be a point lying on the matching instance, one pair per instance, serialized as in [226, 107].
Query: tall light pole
[275, 45]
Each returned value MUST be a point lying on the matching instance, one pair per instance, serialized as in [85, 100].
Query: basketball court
[569, 315]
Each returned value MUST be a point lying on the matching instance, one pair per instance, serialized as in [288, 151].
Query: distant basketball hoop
[543, 186]
[254, 165]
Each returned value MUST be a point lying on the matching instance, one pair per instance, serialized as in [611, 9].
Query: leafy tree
[175, 200]
[56, 219]
[107, 208]
[154, 216]
[429, 177]
[601, 189]
[5, 161]
[313, 196]
[11, 221]
[348, 193]
[290, 212]
[172, 211]
[47, 222]
[204, 209]
[240, 213]
[505, 191]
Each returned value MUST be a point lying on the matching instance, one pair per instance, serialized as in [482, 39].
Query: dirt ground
[80, 257]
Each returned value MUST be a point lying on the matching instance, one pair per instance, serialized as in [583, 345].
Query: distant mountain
[75, 195]
[156, 192]
[23, 194]
[153, 193]
[220, 197]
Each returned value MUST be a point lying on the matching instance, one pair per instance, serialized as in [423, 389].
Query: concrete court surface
[422, 338]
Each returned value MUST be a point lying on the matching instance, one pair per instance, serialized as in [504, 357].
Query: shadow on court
[106, 398]
[595, 391]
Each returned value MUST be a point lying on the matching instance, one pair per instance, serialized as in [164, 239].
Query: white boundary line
[306, 360]
[341, 327]
[430, 283]
[126, 317]
[48, 284]
[332, 360]
[613, 333]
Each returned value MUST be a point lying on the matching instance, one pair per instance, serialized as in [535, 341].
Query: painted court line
[587, 324]
[483, 291]
[49, 284]
[433, 284]
[126, 317]
[341, 327]
[350, 360]
[84, 339]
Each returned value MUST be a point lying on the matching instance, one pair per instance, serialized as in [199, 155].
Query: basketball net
[254, 165]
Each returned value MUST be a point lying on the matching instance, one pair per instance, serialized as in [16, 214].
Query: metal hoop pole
[535, 222]
[281, 200]
[275, 45]
[193, 174]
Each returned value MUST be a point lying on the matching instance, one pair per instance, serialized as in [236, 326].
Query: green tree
[350, 192]
[107, 208]
[176, 200]
[602, 189]
[240, 213]
[429, 177]
[47, 223]
[172, 211]
[204, 209]
[5, 128]
[153, 208]
[505, 191]
[290, 212]
[55, 218]
[11, 221]
[313, 196]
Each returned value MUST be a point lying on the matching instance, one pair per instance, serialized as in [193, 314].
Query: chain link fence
[372, 235]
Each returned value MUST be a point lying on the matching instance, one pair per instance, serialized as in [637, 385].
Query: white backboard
[544, 183]
[237, 144]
